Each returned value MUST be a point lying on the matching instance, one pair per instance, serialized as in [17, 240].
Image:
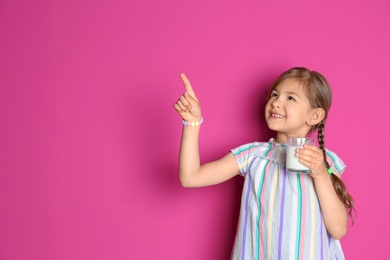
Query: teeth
[276, 115]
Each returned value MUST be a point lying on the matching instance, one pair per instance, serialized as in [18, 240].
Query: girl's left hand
[312, 157]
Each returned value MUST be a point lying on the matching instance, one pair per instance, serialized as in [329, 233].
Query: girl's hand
[312, 157]
[188, 105]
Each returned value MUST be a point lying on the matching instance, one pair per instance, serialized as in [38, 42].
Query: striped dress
[280, 216]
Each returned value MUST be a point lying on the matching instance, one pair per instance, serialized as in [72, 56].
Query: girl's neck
[281, 138]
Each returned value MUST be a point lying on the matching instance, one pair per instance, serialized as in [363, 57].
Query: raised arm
[191, 173]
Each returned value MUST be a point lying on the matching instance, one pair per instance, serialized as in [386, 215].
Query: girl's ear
[316, 115]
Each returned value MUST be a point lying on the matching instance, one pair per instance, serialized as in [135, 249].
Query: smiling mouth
[277, 115]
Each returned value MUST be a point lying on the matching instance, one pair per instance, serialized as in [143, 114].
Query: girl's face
[288, 110]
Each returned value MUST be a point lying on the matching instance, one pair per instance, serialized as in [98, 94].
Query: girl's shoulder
[255, 147]
[265, 150]
[269, 151]
[335, 161]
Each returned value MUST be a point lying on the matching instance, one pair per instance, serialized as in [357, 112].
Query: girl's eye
[274, 94]
[291, 98]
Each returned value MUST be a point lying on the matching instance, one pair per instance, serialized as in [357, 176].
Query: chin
[273, 127]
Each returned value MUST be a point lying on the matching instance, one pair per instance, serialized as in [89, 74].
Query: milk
[292, 162]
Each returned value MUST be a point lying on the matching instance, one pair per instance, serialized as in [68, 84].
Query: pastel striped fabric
[280, 215]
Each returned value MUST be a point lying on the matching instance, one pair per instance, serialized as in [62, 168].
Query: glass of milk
[292, 162]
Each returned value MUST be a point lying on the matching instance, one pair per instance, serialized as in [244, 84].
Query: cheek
[299, 115]
[267, 108]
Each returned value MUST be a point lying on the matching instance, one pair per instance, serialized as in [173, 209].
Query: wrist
[320, 178]
[193, 123]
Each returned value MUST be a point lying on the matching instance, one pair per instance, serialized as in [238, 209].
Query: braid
[338, 184]
[321, 142]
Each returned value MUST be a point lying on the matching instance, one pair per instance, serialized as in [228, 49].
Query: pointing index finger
[187, 84]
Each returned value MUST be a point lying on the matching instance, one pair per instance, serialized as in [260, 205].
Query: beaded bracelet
[196, 123]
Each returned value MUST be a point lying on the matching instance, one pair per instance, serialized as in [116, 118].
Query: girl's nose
[276, 103]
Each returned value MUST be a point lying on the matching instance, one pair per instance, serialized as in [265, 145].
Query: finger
[304, 151]
[311, 147]
[306, 163]
[307, 155]
[178, 109]
[304, 157]
[187, 85]
[181, 106]
[311, 150]
[185, 101]
[310, 159]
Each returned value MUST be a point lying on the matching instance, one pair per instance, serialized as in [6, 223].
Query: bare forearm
[333, 210]
[189, 161]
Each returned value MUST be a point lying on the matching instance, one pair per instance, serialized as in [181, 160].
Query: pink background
[89, 138]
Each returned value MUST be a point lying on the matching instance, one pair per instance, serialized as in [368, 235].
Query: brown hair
[319, 93]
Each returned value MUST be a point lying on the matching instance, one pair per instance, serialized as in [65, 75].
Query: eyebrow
[288, 92]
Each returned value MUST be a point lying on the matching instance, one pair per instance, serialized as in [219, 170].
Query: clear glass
[292, 162]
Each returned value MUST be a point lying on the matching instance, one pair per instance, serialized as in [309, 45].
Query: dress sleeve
[244, 155]
[335, 162]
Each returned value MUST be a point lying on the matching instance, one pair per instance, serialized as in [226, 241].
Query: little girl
[283, 215]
